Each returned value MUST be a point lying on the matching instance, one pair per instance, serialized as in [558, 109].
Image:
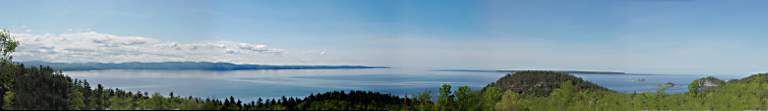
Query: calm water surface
[252, 84]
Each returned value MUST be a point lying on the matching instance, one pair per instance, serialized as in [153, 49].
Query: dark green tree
[7, 46]
[445, 100]
[424, 101]
[464, 98]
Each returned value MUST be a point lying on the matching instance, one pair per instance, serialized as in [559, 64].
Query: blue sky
[654, 36]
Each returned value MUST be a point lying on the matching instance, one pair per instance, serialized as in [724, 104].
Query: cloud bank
[91, 46]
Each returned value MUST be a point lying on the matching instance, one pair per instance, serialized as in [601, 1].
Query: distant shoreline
[210, 66]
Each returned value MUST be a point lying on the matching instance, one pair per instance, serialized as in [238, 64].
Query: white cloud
[101, 47]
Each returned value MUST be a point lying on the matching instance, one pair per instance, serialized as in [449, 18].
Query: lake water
[252, 84]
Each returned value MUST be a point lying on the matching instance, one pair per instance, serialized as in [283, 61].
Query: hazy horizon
[642, 36]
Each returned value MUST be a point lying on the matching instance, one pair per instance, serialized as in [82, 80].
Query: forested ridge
[541, 83]
[42, 87]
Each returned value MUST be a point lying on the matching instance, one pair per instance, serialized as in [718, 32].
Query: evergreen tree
[562, 97]
[445, 99]
[464, 98]
[76, 99]
[8, 45]
[424, 101]
[259, 103]
[510, 101]
[490, 96]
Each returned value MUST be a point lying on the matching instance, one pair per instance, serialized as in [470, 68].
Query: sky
[642, 36]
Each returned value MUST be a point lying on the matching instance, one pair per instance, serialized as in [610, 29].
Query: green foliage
[693, 88]
[157, 102]
[424, 102]
[708, 83]
[510, 101]
[7, 44]
[466, 99]
[40, 88]
[76, 99]
[759, 78]
[353, 100]
[445, 98]
[8, 99]
[745, 94]
[541, 83]
[118, 103]
[561, 98]
[491, 95]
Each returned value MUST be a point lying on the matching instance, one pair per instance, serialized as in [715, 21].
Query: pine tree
[76, 99]
[490, 96]
[445, 99]
[259, 103]
[510, 101]
[464, 98]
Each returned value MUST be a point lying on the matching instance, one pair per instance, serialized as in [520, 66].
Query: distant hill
[541, 83]
[759, 78]
[569, 71]
[186, 66]
[564, 71]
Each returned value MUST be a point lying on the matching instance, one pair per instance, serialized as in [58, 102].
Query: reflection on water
[251, 84]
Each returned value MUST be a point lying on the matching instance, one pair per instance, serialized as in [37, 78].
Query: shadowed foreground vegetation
[42, 87]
